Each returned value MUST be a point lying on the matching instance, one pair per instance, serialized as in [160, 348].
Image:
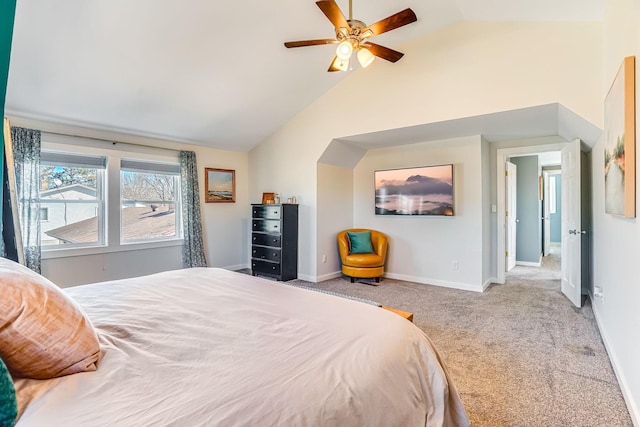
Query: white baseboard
[237, 267]
[324, 277]
[407, 278]
[529, 264]
[489, 281]
[632, 406]
[436, 282]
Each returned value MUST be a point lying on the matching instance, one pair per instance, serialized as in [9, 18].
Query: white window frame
[114, 153]
[72, 158]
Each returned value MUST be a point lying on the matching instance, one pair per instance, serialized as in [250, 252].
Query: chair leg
[377, 279]
[353, 280]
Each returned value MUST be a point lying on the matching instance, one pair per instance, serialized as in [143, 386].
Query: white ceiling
[206, 72]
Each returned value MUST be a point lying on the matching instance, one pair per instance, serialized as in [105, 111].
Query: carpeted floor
[520, 354]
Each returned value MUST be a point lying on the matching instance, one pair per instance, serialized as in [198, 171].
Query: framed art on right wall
[620, 143]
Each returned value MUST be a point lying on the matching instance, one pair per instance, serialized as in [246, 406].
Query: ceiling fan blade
[303, 43]
[333, 67]
[384, 52]
[333, 12]
[398, 20]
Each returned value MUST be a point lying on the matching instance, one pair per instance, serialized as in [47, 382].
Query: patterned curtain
[193, 247]
[26, 154]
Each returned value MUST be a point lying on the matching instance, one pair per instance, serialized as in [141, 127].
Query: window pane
[148, 206]
[72, 199]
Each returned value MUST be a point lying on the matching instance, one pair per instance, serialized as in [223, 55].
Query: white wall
[616, 241]
[225, 225]
[463, 70]
[487, 214]
[423, 248]
[335, 211]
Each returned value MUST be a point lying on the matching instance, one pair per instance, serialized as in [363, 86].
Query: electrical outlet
[454, 265]
[324, 258]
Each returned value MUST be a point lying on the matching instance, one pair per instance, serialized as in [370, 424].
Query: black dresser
[274, 241]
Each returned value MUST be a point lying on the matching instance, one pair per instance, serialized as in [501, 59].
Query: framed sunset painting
[620, 143]
[220, 185]
[426, 190]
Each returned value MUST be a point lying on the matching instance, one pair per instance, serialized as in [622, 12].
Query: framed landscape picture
[620, 143]
[220, 185]
[426, 190]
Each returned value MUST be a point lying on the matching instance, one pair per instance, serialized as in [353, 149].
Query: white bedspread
[210, 347]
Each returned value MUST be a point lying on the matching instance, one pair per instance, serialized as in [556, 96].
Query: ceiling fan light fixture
[344, 50]
[365, 57]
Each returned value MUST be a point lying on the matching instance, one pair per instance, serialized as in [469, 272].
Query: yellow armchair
[364, 266]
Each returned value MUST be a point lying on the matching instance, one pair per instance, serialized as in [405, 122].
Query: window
[72, 199]
[148, 200]
[100, 197]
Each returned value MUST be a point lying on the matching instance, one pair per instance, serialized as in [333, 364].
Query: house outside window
[71, 194]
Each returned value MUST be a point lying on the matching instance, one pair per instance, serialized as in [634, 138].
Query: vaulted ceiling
[208, 72]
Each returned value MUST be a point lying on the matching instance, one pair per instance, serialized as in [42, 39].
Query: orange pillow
[43, 332]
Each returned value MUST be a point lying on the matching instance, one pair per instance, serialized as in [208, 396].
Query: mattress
[207, 347]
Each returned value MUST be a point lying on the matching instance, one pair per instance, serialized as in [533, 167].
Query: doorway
[533, 220]
[575, 214]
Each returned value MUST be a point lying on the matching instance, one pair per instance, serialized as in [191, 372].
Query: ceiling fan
[353, 35]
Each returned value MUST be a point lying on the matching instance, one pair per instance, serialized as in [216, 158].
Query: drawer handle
[274, 267]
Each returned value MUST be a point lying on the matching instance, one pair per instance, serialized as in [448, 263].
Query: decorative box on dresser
[274, 241]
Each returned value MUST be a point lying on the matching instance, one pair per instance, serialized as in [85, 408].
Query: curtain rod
[110, 141]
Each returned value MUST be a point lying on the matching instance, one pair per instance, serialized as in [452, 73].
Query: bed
[208, 346]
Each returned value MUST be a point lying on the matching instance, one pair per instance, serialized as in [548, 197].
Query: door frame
[511, 217]
[504, 154]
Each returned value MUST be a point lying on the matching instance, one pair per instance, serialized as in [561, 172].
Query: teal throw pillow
[8, 402]
[360, 242]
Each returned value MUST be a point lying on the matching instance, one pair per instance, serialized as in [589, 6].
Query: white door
[510, 235]
[546, 216]
[571, 223]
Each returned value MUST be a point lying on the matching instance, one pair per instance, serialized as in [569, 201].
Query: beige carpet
[520, 354]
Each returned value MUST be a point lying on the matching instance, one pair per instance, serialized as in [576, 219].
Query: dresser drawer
[267, 225]
[266, 267]
[263, 252]
[267, 212]
[266, 239]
